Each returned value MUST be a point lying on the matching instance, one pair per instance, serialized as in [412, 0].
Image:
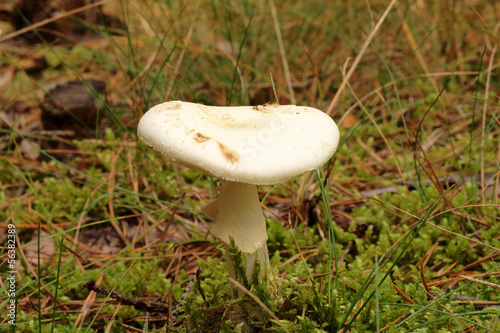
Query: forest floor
[100, 233]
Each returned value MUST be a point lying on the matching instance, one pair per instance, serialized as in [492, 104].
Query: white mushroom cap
[259, 145]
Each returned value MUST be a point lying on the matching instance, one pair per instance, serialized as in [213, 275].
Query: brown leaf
[47, 248]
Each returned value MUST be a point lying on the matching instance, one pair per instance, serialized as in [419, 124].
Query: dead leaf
[47, 248]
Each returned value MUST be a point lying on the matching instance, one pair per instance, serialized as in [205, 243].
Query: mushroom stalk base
[239, 220]
[238, 217]
[249, 261]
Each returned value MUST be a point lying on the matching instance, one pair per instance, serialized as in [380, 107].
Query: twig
[186, 291]
[137, 303]
[146, 320]
[188, 323]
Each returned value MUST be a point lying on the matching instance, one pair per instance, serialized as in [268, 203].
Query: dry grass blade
[53, 19]
[408, 78]
[422, 277]
[480, 304]
[477, 262]
[400, 292]
[428, 254]
[356, 61]
[110, 190]
[462, 236]
[382, 135]
[431, 296]
[304, 261]
[451, 210]
[282, 51]
[87, 305]
[483, 120]
[418, 54]
[489, 284]
[262, 305]
[395, 321]
[317, 81]
[492, 34]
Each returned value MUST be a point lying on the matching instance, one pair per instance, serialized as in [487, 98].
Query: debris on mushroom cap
[265, 144]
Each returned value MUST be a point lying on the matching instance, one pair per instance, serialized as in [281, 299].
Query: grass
[399, 232]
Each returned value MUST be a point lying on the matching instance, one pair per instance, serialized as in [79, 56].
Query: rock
[72, 106]
[67, 26]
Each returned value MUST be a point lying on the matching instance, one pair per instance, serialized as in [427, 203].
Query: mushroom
[244, 146]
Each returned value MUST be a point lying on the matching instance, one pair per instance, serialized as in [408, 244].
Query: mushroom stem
[248, 264]
[261, 256]
[238, 216]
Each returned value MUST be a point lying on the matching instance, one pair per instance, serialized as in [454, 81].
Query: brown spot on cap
[198, 137]
[229, 154]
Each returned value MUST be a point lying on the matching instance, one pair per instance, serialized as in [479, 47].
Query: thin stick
[140, 304]
[358, 57]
